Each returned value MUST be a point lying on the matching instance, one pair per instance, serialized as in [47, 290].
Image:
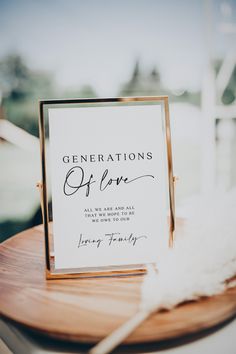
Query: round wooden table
[86, 310]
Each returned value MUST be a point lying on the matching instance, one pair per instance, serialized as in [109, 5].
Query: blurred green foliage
[143, 83]
[21, 89]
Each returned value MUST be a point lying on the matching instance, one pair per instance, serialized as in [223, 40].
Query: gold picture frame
[51, 272]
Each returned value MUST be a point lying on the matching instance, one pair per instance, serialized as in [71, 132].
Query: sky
[97, 42]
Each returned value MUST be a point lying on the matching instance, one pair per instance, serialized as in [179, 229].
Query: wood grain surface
[87, 310]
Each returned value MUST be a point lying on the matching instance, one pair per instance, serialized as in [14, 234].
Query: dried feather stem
[115, 338]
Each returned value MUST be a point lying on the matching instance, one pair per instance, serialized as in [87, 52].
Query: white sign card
[109, 181]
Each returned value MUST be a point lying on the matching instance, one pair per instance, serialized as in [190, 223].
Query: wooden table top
[86, 310]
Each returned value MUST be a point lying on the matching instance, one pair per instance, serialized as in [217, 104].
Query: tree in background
[21, 88]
